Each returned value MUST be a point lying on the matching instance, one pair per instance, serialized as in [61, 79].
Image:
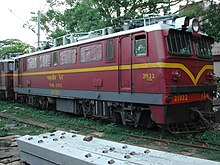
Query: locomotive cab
[189, 79]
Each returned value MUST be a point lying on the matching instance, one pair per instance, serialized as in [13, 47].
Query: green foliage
[211, 155]
[211, 21]
[10, 46]
[209, 137]
[3, 132]
[177, 148]
[197, 11]
[209, 17]
[87, 15]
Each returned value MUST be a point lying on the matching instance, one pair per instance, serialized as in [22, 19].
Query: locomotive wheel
[43, 103]
[146, 120]
[117, 118]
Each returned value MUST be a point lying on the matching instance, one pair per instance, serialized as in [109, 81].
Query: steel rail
[42, 125]
[171, 141]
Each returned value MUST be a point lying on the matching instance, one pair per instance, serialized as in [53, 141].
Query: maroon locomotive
[161, 72]
[6, 78]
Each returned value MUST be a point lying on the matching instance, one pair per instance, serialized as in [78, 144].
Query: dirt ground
[9, 151]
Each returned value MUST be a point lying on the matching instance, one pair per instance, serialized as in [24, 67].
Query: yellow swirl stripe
[175, 65]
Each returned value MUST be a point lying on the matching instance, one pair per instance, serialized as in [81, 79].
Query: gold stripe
[126, 67]
[7, 74]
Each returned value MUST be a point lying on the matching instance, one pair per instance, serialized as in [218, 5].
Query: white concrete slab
[68, 148]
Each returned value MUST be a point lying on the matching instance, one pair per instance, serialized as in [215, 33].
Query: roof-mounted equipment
[181, 23]
[194, 25]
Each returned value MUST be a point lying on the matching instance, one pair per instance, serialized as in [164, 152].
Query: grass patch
[111, 131]
[211, 155]
[177, 148]
[3, 133]
[209, 136]
[19, 128]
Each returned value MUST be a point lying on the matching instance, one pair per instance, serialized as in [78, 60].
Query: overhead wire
[26, 24]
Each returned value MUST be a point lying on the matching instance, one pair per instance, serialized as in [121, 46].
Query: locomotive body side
[121, 78]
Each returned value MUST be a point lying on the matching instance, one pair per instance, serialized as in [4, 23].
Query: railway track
[198, 145]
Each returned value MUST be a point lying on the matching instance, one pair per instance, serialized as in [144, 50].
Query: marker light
[175, 75]
[210, 76]
[194, 25]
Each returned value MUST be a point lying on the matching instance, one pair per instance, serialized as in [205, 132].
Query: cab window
[203, 47]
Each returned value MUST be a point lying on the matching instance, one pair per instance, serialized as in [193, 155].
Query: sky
[11, 25]
[14, 14]
[11, 22]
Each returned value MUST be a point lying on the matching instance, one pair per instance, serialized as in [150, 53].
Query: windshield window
[179, 43]
[203, 47]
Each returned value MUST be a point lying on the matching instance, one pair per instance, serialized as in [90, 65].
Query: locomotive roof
[6, 60]
[149, 28]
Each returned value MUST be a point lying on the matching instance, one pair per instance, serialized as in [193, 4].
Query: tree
[209, 18]
[211, 21]
[11, 46]
[86, 15]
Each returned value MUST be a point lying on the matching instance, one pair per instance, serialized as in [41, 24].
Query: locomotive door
[19, 70]
[125, 64]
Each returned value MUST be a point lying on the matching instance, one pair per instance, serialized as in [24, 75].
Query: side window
[110, 51]
[55, 59]
[2, 67]
[91, 53]
[24, 64]
[16, 65]
[10, 66]
[140, 45]
[31, 62]
[68, 57]
[45, 60]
